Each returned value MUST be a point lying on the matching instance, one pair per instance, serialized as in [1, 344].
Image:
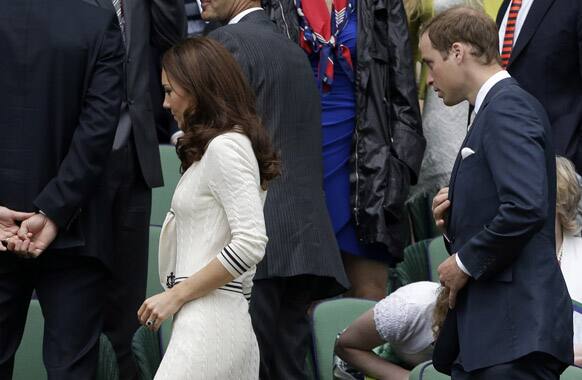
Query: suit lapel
[105, 4]
[501, 13]
[126, 13]
[538, 10]
[476, 125]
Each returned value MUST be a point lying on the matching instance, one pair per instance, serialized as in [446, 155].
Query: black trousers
[130, 198]
[279, 315]
[71, 292]
[535, 366]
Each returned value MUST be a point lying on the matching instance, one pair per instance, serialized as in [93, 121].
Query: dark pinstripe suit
[302, 262]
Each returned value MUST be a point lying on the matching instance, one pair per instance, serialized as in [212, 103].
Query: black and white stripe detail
[172, 280]
[236, 287]
[234, 260]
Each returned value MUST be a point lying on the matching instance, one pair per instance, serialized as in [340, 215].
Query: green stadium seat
[437, 253]
[28, 363]
[420, 217]
[425, 371]
[572, 373]
[154, 286]
[162, 196]
[330, 318]
[414, 267]
[146, 351]
[107, 368]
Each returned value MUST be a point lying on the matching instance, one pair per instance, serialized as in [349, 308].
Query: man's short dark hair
[466, 25]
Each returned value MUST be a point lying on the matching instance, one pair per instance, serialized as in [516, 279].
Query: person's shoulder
[229, 144]
[89, 18]
[575, 242]
[509, 97]
[86, 8]
[423, 292]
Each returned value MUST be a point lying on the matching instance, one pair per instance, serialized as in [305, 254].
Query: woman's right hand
[156, 309]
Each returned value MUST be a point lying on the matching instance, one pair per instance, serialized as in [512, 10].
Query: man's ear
[458, 51]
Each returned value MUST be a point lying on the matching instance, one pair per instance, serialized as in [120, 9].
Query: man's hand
[440, 205]
[9, 221]
[40, 231]
[453, 278]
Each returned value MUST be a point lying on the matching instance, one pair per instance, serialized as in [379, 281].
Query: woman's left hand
[156, 309]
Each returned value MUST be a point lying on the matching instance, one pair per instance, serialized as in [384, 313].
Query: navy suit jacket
[547, 62]
[59, 108]
[501, 224]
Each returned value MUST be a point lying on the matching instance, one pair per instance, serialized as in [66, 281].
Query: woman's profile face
[175, 99]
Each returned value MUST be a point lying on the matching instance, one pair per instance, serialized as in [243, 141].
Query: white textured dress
[217, 212]
[404, 319]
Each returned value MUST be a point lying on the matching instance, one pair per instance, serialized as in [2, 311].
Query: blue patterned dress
[338, 125]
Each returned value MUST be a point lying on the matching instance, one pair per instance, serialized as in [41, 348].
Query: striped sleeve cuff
[233, 263]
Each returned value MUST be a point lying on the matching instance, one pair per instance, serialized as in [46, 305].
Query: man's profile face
[443, 73]
[218, 10]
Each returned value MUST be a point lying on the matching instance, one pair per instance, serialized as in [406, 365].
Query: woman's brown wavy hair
[221, 101]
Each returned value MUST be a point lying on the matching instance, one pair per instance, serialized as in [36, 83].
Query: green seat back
[146, 351]
[414, 267]
[572, 373]
[28, 362]
[420, 216]
[154, 286]
[425, 371]
[107, 368]
[329, 318]
[162, 196]
[437, 253]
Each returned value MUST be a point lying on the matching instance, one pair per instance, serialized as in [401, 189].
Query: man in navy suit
[545, 57]
[508, 299]
[61, 74]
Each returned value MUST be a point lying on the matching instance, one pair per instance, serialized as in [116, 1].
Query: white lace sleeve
[391, 316]
[234, 181]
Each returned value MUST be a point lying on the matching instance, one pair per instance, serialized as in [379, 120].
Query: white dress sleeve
[392, 318]
[234, 181]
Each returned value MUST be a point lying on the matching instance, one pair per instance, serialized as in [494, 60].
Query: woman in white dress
[214, 235]
[409, 319]
[569, 243]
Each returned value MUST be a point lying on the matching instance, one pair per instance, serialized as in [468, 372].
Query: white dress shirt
[521, 15]
[481, 94]
[239, 16]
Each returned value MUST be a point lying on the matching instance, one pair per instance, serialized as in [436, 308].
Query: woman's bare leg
[369, 278]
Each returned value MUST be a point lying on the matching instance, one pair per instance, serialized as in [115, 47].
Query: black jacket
[388, 144]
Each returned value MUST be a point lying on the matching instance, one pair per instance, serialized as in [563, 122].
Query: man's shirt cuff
[460, 264]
